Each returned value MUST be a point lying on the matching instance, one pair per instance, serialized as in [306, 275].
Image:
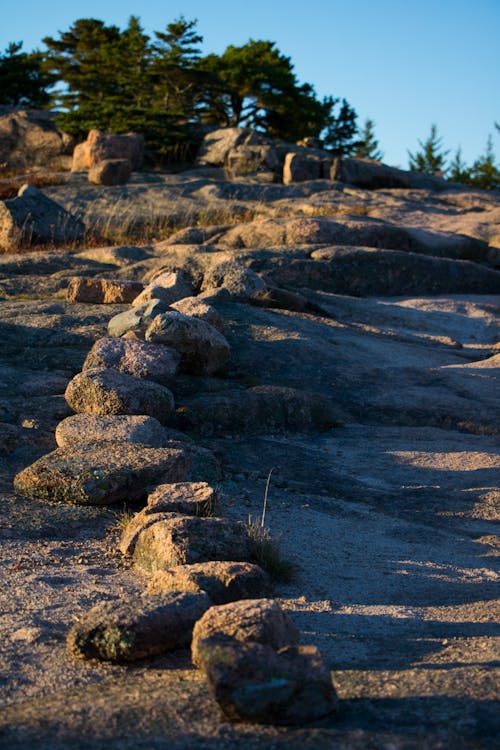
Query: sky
[405, 64]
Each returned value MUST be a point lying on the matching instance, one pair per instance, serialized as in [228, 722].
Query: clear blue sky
[404, 64]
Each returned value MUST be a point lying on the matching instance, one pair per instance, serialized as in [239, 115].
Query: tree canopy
[24, 82]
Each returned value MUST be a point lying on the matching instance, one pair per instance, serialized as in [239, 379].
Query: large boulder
[102, 291]
[134, 357]
[253, 682]
[203, 349]
[101, 473]
[240, 149]
[126, 630]
[30, 138]
[110, 172]
[299, 167]
[100, 146]
[122, 428]
[240, 282]
[370, 175]
[169, 286]
[246, 621]
[34, 219]
[104, 392]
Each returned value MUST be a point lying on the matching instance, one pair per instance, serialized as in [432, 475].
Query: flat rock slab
[246, 621]
[253, 682]
[136, 628]
[82, 429]
[183, 540]
[203, 349]
[134, 357]
[102, 291]
[256, 410]
[104, 392]
[223, 581]
[100, 474]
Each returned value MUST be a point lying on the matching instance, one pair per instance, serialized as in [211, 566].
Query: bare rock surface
[104, 392]
[133, 629]
[100, 474]
[389, 519]
[247, 621]
[223, 581]
[183, 540]
[253, 682]
[121, 428]
[134, 357]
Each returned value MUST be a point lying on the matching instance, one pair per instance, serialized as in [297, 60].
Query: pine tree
[340, 129]
[24, 81]
[484, 173]
[432, 158]
[458, 169]
[368, 146]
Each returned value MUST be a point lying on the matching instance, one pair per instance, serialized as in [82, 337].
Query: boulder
[101, 146]
[110, 172]
[102, 291]
[136, 319]
[253, 682]
[240, 282]
[302, 167]
[183, 540]
[80, 429]
[101, 473]
[105, 392]
[249, 160]
[134, 628]
[34, 219]
[185, 498]
[223, 581]
[169, 286]
[199, 308]
[245, 621]
[372, 175]
[30, 138]
[134, 357]
[219, 143]
[203, 349]
[255, 411]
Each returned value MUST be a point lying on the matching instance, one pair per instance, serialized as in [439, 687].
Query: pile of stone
[109, 158]
[121, 445]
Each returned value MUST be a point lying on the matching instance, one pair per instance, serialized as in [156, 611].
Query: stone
[219, 143]
[105, 392]
[240, 282]
[301, 167]
[134, 357]
[246, 621]
[136, 319]
[34, 219]
[223, 581]
[199, 308]
[87, 428]
[203, 349]
[247, 160]
[101, 473]
[253, 682]
[100, 146]
[184, 498]
[282, 299]
[30, 138]
[134, 628]
[256, 410]
[169, 286]
[102, 291]
[110, 172]
[372, 175]
[183, 540]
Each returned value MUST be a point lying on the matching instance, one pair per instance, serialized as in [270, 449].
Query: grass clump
[265, 551]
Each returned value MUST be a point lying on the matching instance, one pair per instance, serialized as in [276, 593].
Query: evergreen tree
[23, 80]
[458, 169]
[431, 159]
[340, 129]
[368, 146]
[485, 173]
